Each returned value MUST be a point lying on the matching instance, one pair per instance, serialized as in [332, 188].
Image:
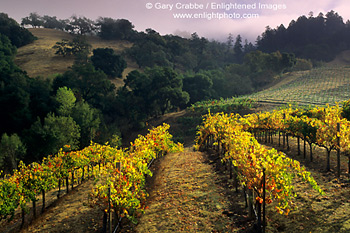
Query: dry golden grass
[39, 58]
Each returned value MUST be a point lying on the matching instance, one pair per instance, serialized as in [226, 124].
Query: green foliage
[41, 99]
[34, 19]
[78, 46]
[346, 110]
[237, 81]
[110, 63]
[18, 36]
[151, 93]
[264, 67]
[53, 134]
[302, 65]
[7, 54]
[53, 22]
[194, 54]
[14, 102]
[65, 97]
[111, 29]
[318, 37]
[11, 151]
[88, 120]
[223, 105]
[80, 25]
[149, 54]
[198, 86]
[115, 141]
[88, 84]
[22, 99]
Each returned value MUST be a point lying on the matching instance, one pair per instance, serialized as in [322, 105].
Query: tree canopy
[318, 37]
[18, 36]
[108, 61]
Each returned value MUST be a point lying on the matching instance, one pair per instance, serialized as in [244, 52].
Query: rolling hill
[319, 86]
[39, 58]
[328, 84]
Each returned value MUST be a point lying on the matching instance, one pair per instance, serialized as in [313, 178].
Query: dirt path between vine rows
[71, 213]
[188, 194]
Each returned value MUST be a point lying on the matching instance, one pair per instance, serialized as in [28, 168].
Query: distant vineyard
[222, 105]
[326, 85]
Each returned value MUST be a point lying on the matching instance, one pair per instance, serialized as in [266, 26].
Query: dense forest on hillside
[42, 114]
[317, 38]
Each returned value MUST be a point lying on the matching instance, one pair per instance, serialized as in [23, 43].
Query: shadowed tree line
[319, 37]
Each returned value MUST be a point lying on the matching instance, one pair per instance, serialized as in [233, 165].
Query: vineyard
[119, 176]
[268, 175]
[273, 188]
[320, 86]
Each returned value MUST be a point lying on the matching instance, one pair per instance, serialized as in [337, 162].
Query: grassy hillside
[39, 58]
[320, 86]
[342, 59]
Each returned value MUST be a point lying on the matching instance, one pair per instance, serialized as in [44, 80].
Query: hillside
[39, 58]
[320, 86]
[342, 59]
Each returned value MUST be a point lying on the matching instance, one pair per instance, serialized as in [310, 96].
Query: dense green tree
[22, 99]
[115, 29]
[7, 54]
[108, 61]
[14, 103]
[34, 20]
[238, 49]
[237, 81]
[79, 46]
[149, 54]
[198, 86]
[317, 38]
[54, 23]
[152, 93]
[11, 151]
[41, 99]
[66, 99]
[18, 36]
[48, 137]
[80, 25]
[218, 78]
[166, 89]
[88, 84]
[86, 117]
[89, 121]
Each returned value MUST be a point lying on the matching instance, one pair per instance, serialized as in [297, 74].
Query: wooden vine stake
[109, 211]
[73, 179]
[34, 208]
[43, 195]
[59, 189]
[23, 217]
[264, 202]
[338, 150]
[67, 184]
